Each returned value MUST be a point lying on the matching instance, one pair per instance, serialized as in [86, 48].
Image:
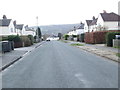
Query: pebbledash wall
[97, 37]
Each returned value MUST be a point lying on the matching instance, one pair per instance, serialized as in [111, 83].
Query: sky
[50, 12]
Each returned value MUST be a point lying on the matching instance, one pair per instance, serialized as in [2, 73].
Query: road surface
[58, 65]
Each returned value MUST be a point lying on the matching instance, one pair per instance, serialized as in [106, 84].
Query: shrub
[82, 36]
[74, 36]
[109, 38]
[26, 41]
[66, 36]
[3, 38]
[31, 39]
[15, 38]
[78, 37]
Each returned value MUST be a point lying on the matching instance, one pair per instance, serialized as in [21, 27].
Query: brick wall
[97, 37]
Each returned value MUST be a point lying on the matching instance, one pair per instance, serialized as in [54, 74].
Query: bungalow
[77, 30]
[108, 21]
[29, 31]
[7, 27]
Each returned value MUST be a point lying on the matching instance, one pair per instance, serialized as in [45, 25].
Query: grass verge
[118, 54]
[117, 47]
[64, 41]
[77, 44]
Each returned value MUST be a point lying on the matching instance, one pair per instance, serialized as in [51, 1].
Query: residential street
[55, 64]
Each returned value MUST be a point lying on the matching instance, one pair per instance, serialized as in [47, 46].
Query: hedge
[66, 36]
[15, 38]
[31, 39]
[109, 38]
[82, 36]
[78, 37]
[25, 41]
[97, 37]
[3, 38]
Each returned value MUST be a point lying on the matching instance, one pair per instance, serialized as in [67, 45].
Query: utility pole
[37, 29]
[37, 21]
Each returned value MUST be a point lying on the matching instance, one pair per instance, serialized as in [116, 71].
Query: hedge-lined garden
[19, 41]
[109, 38]
[98, 37]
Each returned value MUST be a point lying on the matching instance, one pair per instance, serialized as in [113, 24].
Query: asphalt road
[58, 65]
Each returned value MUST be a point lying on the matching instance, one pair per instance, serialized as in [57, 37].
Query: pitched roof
[94, 22]
[81, 26]
[5, 22]
[88, 22]
[110, 16]
[19, 26]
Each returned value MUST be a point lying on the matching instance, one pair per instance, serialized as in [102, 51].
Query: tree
[39, 32]
[59, 35]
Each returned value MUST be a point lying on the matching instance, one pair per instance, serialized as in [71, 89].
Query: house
[7, 27]
[77, 30]
[20, 28]
[108, 21]
[87, 26]
[91, 25]
[24, 30]
[28, 31]
[105, 21]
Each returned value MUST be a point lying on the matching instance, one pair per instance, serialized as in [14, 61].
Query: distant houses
[77, 30]
[105, 21]
[10, 27]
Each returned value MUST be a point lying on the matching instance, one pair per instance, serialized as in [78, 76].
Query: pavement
[9, 58]
[99, 49]
[58, 65]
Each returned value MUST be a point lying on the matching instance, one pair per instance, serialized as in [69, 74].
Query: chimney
[4, 17]
[104, 11]
[14, 22]
[93, 17]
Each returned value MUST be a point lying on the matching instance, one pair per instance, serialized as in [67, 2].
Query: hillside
[55, 29]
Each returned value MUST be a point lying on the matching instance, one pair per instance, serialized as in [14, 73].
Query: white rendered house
[7, 27]
[108, 21]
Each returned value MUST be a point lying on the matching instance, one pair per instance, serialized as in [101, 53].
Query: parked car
[48, 39]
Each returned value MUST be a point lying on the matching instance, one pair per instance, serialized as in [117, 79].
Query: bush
[31, 39]
[109, 38]
[15, 38]
[74, 36]
[78, 37]
[26, 41]
[82, 36]
[66, 37]
[3, 38]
